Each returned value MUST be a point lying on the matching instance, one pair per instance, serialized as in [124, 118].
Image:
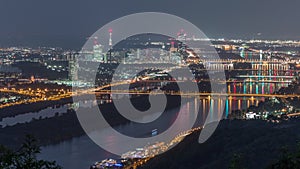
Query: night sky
[67, 23]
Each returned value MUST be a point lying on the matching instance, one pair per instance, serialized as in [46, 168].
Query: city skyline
[136, 84]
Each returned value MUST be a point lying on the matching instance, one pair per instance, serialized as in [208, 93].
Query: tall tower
[110, 37]
[110, 43]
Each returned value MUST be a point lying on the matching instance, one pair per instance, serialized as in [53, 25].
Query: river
[81, 152]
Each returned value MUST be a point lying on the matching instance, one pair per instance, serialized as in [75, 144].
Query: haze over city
[149, 84]
[68, 23]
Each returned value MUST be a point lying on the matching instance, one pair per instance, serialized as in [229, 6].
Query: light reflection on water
[81, 152]
[26, 118]
[42, 114]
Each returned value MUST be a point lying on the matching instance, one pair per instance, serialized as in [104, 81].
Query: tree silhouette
[288, 160]
[236, 162]
[25, 157]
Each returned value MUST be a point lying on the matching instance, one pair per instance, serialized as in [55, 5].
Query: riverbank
[32, 107]
[66, 126]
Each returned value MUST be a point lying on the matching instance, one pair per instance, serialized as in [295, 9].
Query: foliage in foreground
[25, 157]
[287, 160]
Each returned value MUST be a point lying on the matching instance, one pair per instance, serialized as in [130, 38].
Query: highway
[39, 96]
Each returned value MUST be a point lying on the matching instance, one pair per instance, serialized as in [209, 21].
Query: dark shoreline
[32, 107]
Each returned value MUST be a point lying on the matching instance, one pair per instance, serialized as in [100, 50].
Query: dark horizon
[67, 24]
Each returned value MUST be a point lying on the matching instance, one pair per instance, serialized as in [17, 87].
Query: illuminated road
[248, 61]
[194, 94]
[293, 114]
[37, 95]
[40, 95]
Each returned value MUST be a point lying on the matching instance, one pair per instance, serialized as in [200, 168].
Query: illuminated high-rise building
[98, 53]
[181, 36]
[172, 48]
[260, 55]
[110, 43]
[138, 53]
[73, 68]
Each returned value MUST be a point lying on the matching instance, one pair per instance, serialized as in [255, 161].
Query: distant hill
[257, 142]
